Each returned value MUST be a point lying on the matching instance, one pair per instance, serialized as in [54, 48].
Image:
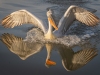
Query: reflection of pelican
[25, 49]
[73, 13]
[74, 60]
[21, 48]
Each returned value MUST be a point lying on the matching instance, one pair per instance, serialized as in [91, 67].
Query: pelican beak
[50, 63]
[50, 19]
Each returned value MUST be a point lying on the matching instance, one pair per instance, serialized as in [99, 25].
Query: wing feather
[90, 21]
[84, 14]
[93, 22]
[75, 13]
[20, 17]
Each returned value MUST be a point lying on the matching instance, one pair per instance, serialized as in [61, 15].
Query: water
[20, 57]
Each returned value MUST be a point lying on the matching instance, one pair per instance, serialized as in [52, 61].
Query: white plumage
[72, 13]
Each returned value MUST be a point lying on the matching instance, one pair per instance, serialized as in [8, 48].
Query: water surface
[31, 60]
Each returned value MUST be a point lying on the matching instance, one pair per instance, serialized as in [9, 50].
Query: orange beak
[51, 63]
[50, 19]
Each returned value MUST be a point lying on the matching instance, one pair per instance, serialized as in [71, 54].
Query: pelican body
[72, 13]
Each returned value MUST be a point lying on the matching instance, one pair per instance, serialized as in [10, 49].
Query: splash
[35, 35]
[77, 32]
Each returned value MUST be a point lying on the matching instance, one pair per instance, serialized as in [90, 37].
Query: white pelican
[72, 13]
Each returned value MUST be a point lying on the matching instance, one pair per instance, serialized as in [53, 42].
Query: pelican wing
[75, 13]
[85, 16]
[82, 57]
[19, 47]
[20, 17]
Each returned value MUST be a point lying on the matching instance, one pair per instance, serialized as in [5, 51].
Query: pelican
[72, 13]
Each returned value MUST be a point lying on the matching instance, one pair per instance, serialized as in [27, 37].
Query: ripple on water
[76, 2]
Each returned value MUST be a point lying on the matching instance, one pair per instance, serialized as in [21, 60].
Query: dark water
[25, 58]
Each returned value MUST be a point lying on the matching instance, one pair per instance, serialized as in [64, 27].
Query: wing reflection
[74, 60]
[70, 60]
[24, 49]
[21, 48]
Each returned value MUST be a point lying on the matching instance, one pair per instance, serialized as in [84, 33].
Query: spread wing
[19, 47]
[85, 16]
[20, 17]
[75, 13]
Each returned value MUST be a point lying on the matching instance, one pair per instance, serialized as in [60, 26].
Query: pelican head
[49, 12]
[51, 19]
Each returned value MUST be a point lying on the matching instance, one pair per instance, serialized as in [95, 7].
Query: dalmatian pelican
[73, 13]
